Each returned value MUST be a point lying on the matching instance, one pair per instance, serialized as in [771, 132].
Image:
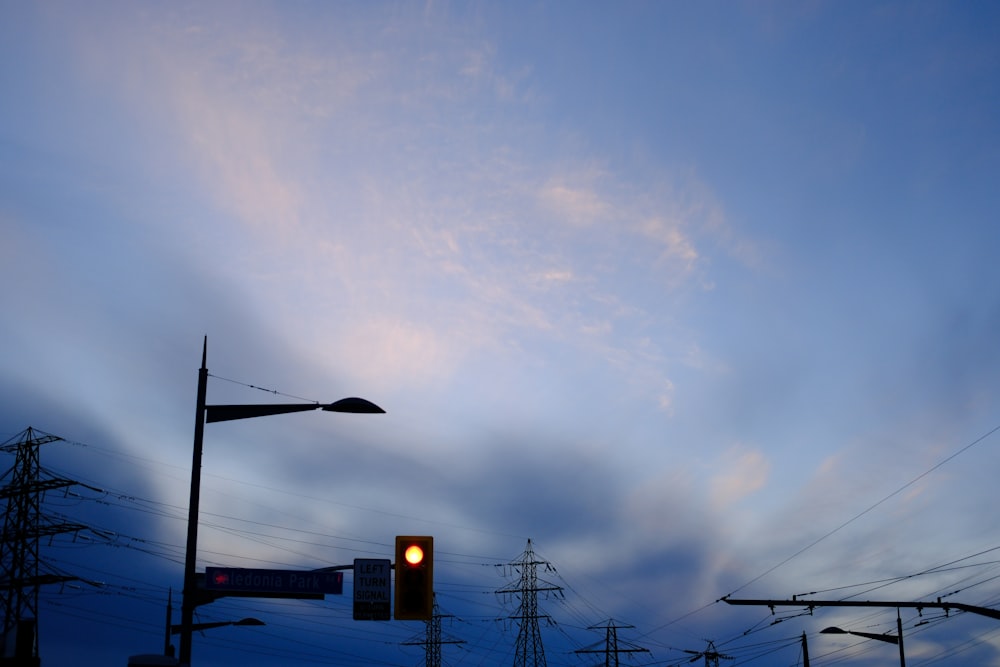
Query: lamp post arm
[889, 639]
[197, 627]
[176, 629]
[222, 413]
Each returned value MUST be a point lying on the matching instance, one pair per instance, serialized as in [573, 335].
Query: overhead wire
[869, 509]
[124, 500]
[170, 512]
[835, 530]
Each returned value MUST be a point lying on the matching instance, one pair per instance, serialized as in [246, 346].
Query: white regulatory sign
[372, 589]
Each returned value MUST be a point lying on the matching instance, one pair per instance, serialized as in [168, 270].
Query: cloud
[405, 353]
[248, 114]
[743, 471]
[573, 205]
[677, 246]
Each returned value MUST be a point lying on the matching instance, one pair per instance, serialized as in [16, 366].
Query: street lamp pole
[213, 413]
[189, 594]
[899, 633]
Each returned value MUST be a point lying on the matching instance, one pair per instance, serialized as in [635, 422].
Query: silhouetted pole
[188, 601]
[168, 650]
[805, 651]
[899, 633]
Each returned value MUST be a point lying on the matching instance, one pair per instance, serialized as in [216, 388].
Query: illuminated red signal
[413, 554]
[414, 578]
[221, 578]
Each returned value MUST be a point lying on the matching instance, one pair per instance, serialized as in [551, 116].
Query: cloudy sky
[701, 298]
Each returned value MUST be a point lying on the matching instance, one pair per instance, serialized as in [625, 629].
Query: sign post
[372, 589]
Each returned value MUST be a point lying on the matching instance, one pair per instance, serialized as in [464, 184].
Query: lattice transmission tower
[529, 651]
[711, 655]
[433, 639]
[24, 524]
[612, 647]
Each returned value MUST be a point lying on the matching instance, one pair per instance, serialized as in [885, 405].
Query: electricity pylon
[711, 656]
[529, 651]
[433, 640]
[611, 645]
[24, 524]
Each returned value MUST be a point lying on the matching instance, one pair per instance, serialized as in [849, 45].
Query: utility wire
[866, 511]
[274, 392]
[835, 530]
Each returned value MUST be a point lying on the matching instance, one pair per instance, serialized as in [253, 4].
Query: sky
[702, 299]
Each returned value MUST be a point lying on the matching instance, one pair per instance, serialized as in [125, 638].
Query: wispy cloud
[742, 472]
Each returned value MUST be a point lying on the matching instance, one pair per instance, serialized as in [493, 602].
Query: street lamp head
[249, 621]
[354, 405]
[832, 631]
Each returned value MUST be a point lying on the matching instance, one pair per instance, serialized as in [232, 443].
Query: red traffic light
[413, 555]
[414, 578]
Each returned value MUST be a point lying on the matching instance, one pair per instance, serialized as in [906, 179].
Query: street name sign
[274, 582]
[372, 589]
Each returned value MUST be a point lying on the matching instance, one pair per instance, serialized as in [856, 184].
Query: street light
[889, 639]
[216, 413]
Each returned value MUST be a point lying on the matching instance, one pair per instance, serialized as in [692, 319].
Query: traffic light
[414, 578]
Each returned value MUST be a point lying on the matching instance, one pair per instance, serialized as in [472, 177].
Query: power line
[869, 509]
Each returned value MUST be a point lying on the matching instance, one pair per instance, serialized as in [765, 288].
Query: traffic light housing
[414, 578]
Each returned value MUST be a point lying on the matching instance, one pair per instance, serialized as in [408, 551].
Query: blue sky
[702, 298]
